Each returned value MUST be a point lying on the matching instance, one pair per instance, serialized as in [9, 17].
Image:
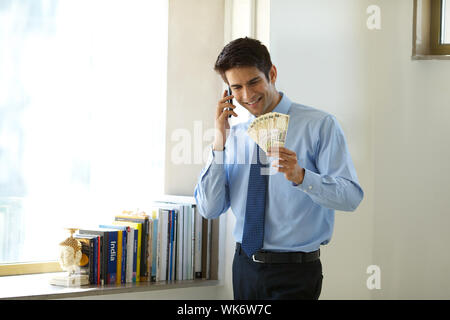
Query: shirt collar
[284, 105]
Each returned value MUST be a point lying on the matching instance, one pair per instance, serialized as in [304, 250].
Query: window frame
[436, 47]
[14, 269]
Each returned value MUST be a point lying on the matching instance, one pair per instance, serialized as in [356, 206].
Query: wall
[411, 101]
[196, 35]
[394, 112]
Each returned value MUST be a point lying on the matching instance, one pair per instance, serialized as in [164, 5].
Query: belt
[263, 256]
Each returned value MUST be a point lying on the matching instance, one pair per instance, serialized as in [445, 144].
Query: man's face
[252, 90]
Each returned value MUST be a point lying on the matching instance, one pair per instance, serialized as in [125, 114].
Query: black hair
[243, 52]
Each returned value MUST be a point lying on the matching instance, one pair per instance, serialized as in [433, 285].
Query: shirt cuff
[216, 158]
[311, 182]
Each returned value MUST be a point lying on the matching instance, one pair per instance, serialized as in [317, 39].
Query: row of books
[172, 242]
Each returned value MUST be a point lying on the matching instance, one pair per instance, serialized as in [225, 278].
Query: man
[282, 218]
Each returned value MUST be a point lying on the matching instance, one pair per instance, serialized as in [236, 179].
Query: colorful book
[138, 244]
[121, 251]
[179, 255]
[144, 252]
[131, 252]
[189, 239]
[109, 247]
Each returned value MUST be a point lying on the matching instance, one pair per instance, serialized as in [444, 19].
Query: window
[431, 31]
[440, 27]
[445, 24]
[82, 117]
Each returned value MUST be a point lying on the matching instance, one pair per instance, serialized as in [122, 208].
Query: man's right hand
[221, 125]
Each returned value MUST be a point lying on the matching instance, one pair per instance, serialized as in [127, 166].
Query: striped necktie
[253, 235]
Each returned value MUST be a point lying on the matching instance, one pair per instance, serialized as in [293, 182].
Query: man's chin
[257, 111]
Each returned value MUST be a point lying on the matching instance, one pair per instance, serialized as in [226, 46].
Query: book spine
[91, 261]
[99, 259]
[191, 271]
[102, 253]
[204, 242]
[163, 248]
[159, 254]
[119, 258]
[143, 256]
[186, 242]
[146, 252]
[124, 257]
[112, 258]
[179, 266]
[130, 252]
[198, 245]
[155, 249]
[150, 250]
[94, 261]
[174, 251]
[135, 255]
[208, 250]
[171, 218]
[87, 250]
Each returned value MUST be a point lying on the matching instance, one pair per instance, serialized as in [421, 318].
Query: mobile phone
[229, 101]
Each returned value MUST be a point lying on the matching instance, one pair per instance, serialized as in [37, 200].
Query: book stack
[170, 242]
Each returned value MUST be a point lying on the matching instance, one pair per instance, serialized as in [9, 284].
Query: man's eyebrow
[249, 81]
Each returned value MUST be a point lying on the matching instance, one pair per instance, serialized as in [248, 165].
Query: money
[269, 130]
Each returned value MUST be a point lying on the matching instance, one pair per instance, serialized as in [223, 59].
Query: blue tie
[253, 236]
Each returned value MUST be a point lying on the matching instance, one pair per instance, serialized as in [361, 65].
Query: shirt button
[310, 187]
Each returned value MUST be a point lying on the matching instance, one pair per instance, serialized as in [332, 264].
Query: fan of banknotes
[269, 130]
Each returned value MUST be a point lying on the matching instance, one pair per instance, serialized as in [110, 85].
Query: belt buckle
[256, 260]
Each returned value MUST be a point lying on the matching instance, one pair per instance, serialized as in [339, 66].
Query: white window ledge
[36, 286]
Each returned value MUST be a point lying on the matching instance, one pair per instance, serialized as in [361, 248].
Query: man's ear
[273, 74]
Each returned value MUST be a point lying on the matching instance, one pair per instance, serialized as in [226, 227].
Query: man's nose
[247, 94]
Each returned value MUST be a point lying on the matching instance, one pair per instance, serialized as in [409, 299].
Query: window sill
[430, 57]
[36, 286]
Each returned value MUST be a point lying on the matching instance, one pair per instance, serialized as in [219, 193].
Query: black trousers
[261, 281]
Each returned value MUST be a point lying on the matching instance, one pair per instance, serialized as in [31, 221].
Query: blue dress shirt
[297, 217]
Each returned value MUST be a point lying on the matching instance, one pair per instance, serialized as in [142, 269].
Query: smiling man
[282, 219]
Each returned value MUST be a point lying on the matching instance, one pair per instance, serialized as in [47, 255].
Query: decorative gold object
[71, 242]
[69, 259]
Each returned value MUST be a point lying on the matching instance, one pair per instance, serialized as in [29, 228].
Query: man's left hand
[287, 163]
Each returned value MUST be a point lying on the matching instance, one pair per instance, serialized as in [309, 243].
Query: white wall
[196, 35]
[410, 102]
[395, 114]
[322, 63]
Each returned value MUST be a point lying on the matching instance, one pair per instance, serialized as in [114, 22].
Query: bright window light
[445, 22]
[82, 116]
